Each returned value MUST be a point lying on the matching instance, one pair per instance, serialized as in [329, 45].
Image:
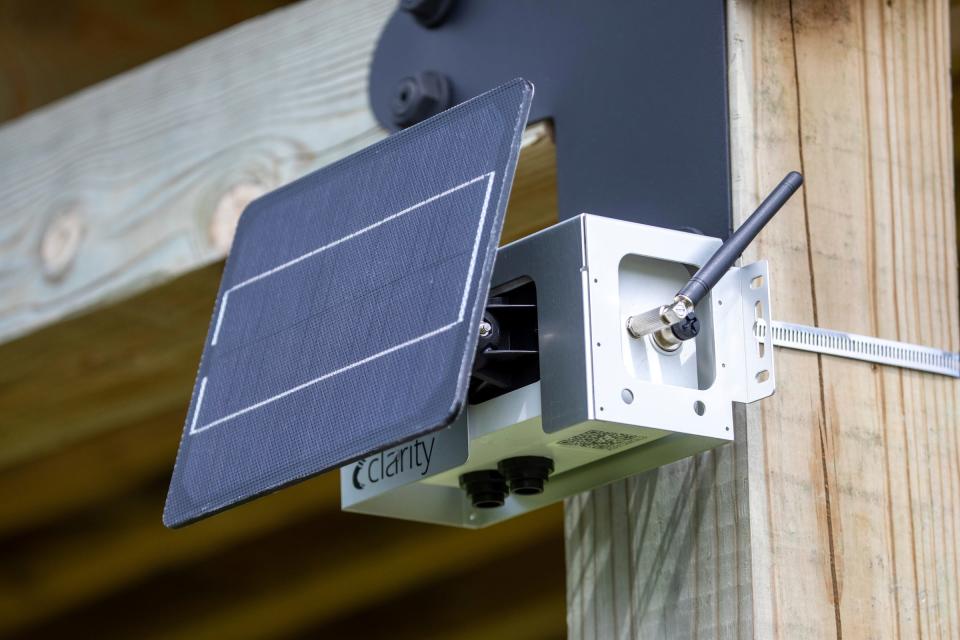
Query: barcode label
[603, 440]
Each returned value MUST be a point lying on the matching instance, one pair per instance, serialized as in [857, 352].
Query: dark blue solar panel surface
[347, 315]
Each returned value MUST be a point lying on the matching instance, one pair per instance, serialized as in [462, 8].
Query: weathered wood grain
[87, 557]
[513, 597]
[121, 541]
[332, 575]
[111, 368]
[850, 485]
[326, 588]
[664, 554]
[73, 480]
[155, 167]
[130, 183]
[140, 179]
[127, 361]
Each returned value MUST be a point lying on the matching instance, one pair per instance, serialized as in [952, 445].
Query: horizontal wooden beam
[331, 583]
[136, 358]
[120, 204]
[114, 367]
[518, 596]
[81, 558]
[141, 178]
[313, 573]
[79, 478]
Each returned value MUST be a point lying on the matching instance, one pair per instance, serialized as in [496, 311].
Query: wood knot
[226, 214]
[60, 242]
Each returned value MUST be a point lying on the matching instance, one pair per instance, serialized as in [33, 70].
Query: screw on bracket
[428, 13]
[419, 97]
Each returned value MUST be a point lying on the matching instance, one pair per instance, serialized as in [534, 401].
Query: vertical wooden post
[837, 511]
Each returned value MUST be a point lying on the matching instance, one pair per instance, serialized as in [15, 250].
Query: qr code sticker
[603, 440]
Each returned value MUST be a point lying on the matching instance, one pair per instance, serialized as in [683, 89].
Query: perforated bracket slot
[757, 377]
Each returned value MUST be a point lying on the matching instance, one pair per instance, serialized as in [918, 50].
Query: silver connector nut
[660, 318]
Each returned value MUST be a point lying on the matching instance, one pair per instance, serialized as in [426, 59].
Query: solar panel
[347, 316]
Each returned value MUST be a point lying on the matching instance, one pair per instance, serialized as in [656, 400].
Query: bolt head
[428, 13]
[418, 97]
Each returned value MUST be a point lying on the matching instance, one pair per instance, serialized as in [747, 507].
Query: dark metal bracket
[637, 92]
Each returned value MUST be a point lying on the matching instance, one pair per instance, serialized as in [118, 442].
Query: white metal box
[606, 405]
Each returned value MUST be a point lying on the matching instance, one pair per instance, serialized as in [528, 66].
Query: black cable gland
[487, 488]
[526, 475]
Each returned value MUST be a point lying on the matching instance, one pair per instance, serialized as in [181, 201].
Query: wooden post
[837, 511]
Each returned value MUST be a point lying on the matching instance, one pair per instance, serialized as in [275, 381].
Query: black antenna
[719, 263]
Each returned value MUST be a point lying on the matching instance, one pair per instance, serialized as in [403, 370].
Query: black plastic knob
[687, 329]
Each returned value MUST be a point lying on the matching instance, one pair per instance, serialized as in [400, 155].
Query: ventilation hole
[763, 376]
[758, 310]
[699, 408]
[756, 283]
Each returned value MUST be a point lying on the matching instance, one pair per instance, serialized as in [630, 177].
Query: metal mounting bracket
[636, 92]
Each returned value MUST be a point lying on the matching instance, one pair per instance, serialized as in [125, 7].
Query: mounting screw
[429, 13]
[419, 97]
[485, 329]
